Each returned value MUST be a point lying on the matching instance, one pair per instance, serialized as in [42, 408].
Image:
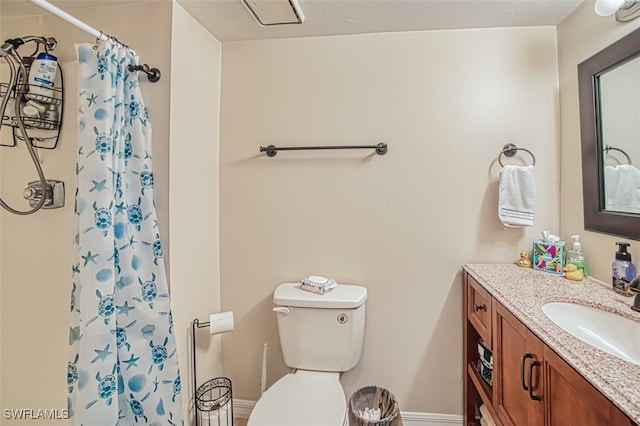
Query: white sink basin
[607, 331]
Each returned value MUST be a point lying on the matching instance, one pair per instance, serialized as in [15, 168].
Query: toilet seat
[304, 398]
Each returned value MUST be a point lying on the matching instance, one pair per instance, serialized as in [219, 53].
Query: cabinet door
[518, 378]
[573, 401]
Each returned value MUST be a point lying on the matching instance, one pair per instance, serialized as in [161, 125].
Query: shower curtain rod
[99, 35]
[153, 74]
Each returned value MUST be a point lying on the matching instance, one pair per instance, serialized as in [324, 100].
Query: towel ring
[608, 148]
[510, 150]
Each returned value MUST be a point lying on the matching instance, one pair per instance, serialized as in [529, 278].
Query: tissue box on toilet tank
[549, 257]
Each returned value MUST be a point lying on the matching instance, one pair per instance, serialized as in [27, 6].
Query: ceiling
[228, 20]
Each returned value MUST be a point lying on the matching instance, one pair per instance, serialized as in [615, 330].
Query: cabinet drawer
[479, 309]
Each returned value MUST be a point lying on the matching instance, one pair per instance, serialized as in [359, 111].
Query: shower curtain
[123, 366]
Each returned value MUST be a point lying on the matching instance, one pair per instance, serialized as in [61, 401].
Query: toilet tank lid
[343, 296]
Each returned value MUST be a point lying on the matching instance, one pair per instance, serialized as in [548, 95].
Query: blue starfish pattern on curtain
[123, 367]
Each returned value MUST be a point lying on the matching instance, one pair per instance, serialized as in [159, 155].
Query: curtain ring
[121, 44]
[95, 46]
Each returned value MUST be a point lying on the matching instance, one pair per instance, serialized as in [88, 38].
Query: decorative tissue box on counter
[549, 257]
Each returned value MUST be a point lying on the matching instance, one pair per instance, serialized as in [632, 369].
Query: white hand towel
[622, 188]
[517, 196]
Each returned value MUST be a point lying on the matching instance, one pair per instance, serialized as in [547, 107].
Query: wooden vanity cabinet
[531, 385]
[478, 305]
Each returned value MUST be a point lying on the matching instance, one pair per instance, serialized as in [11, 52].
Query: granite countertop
[524, 291]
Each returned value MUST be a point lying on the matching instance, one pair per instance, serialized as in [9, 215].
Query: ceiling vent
[275, 12]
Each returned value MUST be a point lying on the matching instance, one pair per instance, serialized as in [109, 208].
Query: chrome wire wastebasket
[214, 403]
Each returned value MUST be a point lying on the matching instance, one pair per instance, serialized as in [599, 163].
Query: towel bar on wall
[272, 150]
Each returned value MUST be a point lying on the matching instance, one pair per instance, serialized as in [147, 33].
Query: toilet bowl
[304, 398]
[320, 337]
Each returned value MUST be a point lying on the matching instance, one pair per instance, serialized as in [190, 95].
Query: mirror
[609, 86]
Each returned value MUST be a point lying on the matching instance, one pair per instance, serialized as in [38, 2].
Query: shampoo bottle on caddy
[42, 74]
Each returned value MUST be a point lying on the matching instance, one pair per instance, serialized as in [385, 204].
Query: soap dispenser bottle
[576, 256]
[623, 271]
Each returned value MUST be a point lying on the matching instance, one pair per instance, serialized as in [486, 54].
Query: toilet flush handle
[282, 310]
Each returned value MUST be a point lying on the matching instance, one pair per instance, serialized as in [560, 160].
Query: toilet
[321, 337]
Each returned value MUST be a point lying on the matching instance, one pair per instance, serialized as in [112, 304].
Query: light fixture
[275, 12]
[625, 10]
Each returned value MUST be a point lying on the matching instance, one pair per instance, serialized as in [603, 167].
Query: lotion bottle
[622, 270]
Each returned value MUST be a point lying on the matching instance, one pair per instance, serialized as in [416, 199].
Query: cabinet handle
[524, 358]
[477, 307]
[531, 395]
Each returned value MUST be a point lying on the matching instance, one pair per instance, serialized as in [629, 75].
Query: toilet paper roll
[221, 322]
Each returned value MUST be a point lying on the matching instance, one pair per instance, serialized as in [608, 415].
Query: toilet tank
[320, 332]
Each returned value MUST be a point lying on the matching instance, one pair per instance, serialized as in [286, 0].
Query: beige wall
[193, 195]
[580, 36]
[35, 279]
[400, 224]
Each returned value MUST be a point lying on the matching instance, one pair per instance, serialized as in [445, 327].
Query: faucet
[634, 285]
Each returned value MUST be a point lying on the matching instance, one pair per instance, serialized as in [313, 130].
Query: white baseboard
[410, 418]
[242, 408]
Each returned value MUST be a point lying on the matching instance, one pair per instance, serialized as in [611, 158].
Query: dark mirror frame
[596, 218]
